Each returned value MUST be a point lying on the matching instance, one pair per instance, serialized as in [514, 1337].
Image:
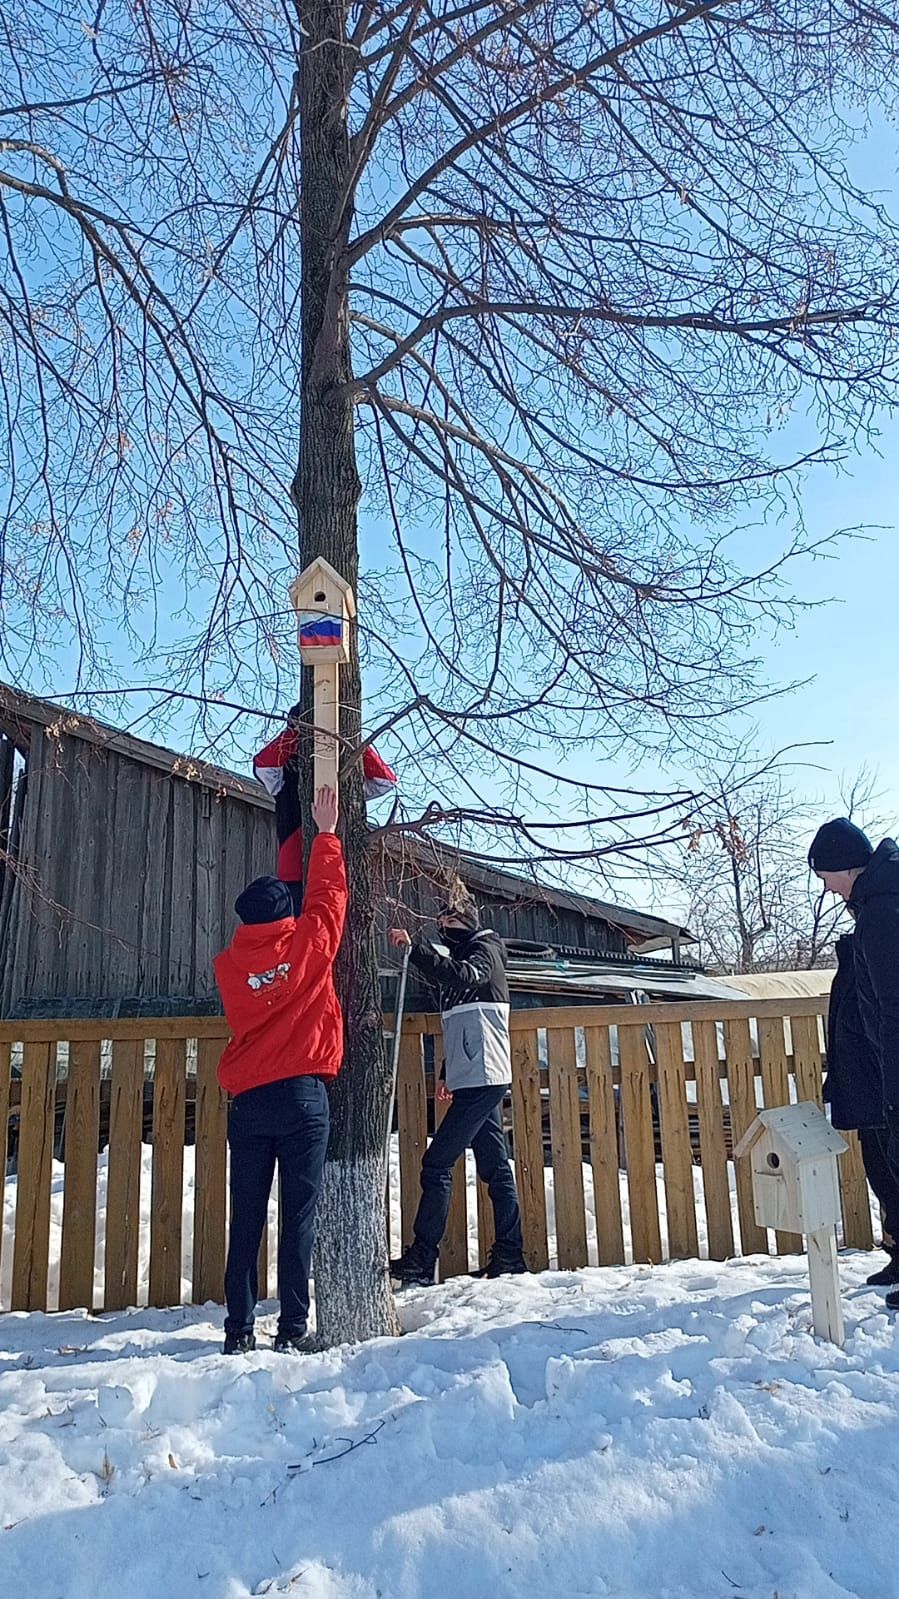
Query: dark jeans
[284, 1122]
[879, 1156]
[473, 1120]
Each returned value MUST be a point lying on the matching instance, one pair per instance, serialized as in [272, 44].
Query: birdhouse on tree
[325, 605]
[795, 1189]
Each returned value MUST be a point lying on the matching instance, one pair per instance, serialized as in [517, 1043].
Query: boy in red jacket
[277, 987]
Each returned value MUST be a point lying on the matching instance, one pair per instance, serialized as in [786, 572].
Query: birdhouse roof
[801, 1132]
[323, 573]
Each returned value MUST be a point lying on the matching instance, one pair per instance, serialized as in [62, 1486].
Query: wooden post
[326, 736]
[827, 1308]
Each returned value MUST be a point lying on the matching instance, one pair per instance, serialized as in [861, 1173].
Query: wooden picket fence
[594, 1089]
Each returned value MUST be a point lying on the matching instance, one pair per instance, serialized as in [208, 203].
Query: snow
[668, 1433]
[629, 1433]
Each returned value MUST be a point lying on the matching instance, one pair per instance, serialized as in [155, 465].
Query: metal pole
[397, 1037]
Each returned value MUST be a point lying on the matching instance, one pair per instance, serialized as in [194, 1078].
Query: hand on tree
[444, 1097]
[399, 938]
[324, 810]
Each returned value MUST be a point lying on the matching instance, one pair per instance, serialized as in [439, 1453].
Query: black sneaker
[289, 1343]
[242, 1343]
[414, 1268]
[887, 1277]
[502, 1264]
[892, 1301]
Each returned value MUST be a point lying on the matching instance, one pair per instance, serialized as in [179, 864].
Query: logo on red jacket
[277, 975]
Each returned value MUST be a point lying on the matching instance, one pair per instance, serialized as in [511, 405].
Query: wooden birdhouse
[326, 606]
[794, 1153]
[795, 1189]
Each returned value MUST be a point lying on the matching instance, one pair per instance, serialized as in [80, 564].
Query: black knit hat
[266, 899]
[839, 846]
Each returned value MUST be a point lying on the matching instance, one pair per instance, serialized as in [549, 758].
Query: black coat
[852, 1084]
[875, 901]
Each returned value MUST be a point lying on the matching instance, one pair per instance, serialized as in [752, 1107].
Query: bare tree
[545, 277]
[743, 876]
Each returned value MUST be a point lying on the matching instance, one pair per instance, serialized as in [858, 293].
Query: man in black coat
[868, 879]
[852, 1087]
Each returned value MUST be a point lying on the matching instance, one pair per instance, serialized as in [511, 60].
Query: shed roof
[802, 1131]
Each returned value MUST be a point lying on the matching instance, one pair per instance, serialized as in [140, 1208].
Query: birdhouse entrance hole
[320, 598]
[774, 1161]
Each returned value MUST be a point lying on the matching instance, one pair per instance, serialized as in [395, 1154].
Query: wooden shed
[120, 862]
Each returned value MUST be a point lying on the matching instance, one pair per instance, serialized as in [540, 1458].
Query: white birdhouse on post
[795, 1188]
[325, 606]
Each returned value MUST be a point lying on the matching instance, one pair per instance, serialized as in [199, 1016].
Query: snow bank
[628, 1433]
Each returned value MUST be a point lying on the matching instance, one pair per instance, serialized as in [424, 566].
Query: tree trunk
[353, 1297]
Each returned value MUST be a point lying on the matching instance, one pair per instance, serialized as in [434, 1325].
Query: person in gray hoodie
[474, 1005]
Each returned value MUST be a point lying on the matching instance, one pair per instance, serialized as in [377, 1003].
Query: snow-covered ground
[673, 1433]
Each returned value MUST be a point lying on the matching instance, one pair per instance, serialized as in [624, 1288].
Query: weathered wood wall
[125, 881]
[127, 873]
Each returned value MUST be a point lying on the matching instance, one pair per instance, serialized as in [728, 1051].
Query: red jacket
[277, 985]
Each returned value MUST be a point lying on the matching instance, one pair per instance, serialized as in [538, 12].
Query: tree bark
[353, 1297]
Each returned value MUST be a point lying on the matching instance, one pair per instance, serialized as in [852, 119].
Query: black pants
[284, 1122]
[473, 1120]
[879, 1157]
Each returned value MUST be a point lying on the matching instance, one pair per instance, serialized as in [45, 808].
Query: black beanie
[462, 908]
[266, 899]
[839, 846]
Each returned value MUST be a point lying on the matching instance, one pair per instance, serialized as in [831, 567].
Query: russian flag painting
[317, 630]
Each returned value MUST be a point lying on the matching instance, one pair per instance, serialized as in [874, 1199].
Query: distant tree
[750, 896]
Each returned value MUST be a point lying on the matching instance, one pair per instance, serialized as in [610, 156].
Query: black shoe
[414, 1268]
[290, 1343]
[502, 1264]
[888, 1277]
[242, 1343]
[892, 1301]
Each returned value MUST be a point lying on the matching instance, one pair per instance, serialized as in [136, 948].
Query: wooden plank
[527, 1137]
[31, 1249]
[807, 1061]
[776, 1092]
[636, 1116]
[741, 1091]
[166, 1197]
[454, 1248]
[5, 1069]
[126, 1111]
[677, 1155]
[856, 1206]
[420, 1022]
[604, 1147]
[565, 1138]
[81, 1028]
[486, 1229]
[712, 1142]
[211, 1179]
[412, 1125]
[180, 908]
[79, 1202]
[827, 1305]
